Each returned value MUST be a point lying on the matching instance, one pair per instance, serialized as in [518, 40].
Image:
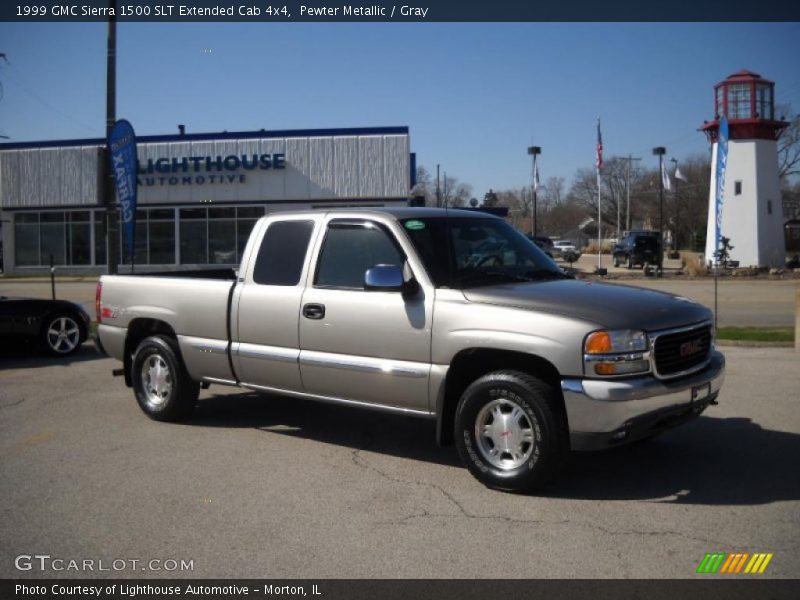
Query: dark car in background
[544, 243]
[637, 248]
[58, 327]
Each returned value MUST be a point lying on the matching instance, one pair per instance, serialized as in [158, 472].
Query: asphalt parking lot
[256, 486]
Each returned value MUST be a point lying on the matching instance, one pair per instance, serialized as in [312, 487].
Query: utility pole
[109, 199]
[438, 195]
[630, 159]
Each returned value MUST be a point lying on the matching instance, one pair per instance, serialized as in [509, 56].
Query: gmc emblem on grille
[693, 347]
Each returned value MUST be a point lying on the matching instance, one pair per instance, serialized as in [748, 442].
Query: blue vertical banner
[722, 163]
[122, 144]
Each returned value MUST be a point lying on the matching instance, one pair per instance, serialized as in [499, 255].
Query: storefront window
[246, 217]
[79, 238]
[26, 239]
[194, 236]
[52, 241]
[100, 238]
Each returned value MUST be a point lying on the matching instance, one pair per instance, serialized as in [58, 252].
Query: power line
[17, 81]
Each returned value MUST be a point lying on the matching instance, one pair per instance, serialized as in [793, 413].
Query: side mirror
[384, 278]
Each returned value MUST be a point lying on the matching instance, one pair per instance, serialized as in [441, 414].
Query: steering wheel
[498, 260]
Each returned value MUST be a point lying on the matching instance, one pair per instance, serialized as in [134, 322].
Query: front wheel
[511, 431]
[163, 387]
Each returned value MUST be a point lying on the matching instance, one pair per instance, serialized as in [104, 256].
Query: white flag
[536, 178]
[679, 175]
[665, 178]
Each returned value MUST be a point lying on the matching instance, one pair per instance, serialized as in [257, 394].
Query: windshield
[478, 252]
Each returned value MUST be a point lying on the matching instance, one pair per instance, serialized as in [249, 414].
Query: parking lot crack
[10, 404]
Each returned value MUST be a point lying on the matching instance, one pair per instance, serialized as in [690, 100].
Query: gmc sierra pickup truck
[448, 315]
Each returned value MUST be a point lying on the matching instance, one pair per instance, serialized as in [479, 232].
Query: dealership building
[199, 195]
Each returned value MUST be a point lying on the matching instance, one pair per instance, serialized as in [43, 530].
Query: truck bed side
[194, 309]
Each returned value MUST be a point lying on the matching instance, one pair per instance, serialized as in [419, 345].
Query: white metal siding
[328, 167]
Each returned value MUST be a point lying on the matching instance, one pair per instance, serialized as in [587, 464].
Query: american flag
[599, 162]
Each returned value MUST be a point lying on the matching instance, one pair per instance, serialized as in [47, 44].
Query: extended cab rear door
[359, 345]
[266, 350]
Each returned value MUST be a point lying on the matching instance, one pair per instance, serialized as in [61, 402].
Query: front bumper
[605, 413]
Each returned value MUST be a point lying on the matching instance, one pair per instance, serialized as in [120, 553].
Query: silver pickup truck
[448, 315]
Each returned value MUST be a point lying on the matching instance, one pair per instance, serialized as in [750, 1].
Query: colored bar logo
[735, 562]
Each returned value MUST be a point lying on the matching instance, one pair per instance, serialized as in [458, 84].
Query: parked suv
[638, 248]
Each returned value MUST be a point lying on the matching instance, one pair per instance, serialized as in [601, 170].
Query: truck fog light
[605, 368]
[621, 367]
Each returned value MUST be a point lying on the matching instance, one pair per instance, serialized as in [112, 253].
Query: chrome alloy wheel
[63, 335]
[504, 434]
[156, 380]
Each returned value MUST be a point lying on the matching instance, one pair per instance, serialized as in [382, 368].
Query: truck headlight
[612, 353]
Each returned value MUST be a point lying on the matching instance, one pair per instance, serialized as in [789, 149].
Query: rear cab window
[282, 253]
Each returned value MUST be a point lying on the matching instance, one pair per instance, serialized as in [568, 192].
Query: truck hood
[608, 305]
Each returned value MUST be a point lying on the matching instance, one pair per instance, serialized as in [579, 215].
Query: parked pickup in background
[447, 315]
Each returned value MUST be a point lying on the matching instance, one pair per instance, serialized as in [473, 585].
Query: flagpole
[599, 220]
[599, 165]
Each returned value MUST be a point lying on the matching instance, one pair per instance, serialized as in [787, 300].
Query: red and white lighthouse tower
[751, 211]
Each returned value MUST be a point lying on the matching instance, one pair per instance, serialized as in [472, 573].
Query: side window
[282, 253]
[349, 250]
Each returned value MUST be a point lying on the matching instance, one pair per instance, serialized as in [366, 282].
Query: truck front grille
[682, 352]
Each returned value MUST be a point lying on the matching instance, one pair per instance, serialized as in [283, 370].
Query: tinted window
[282, 253]
[465, 252]
[349, 250]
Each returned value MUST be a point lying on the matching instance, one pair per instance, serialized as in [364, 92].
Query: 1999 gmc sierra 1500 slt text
[453, 316]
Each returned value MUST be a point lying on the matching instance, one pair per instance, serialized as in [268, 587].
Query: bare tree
[425, 186]
[456, 193]
[612, 191]
[552, 193]
[789, 145]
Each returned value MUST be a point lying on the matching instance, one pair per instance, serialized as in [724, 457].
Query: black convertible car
[59, 327]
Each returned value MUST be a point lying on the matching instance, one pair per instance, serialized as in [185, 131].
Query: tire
[530, 446]
[161, 383]
[61, 334]
[629, 263]
[616, 261]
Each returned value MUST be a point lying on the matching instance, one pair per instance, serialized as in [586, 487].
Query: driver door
[359, 345]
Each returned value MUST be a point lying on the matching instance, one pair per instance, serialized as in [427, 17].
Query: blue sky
[474, 95]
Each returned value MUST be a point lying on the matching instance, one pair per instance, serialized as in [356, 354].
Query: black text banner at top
[277, 11]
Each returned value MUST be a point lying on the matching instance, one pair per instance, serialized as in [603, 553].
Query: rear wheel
[61, 334]
[163, 387]
[511, 432]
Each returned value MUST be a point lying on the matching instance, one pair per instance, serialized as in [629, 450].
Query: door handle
[314, 311]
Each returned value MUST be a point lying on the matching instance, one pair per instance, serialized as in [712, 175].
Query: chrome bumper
[603, 413]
